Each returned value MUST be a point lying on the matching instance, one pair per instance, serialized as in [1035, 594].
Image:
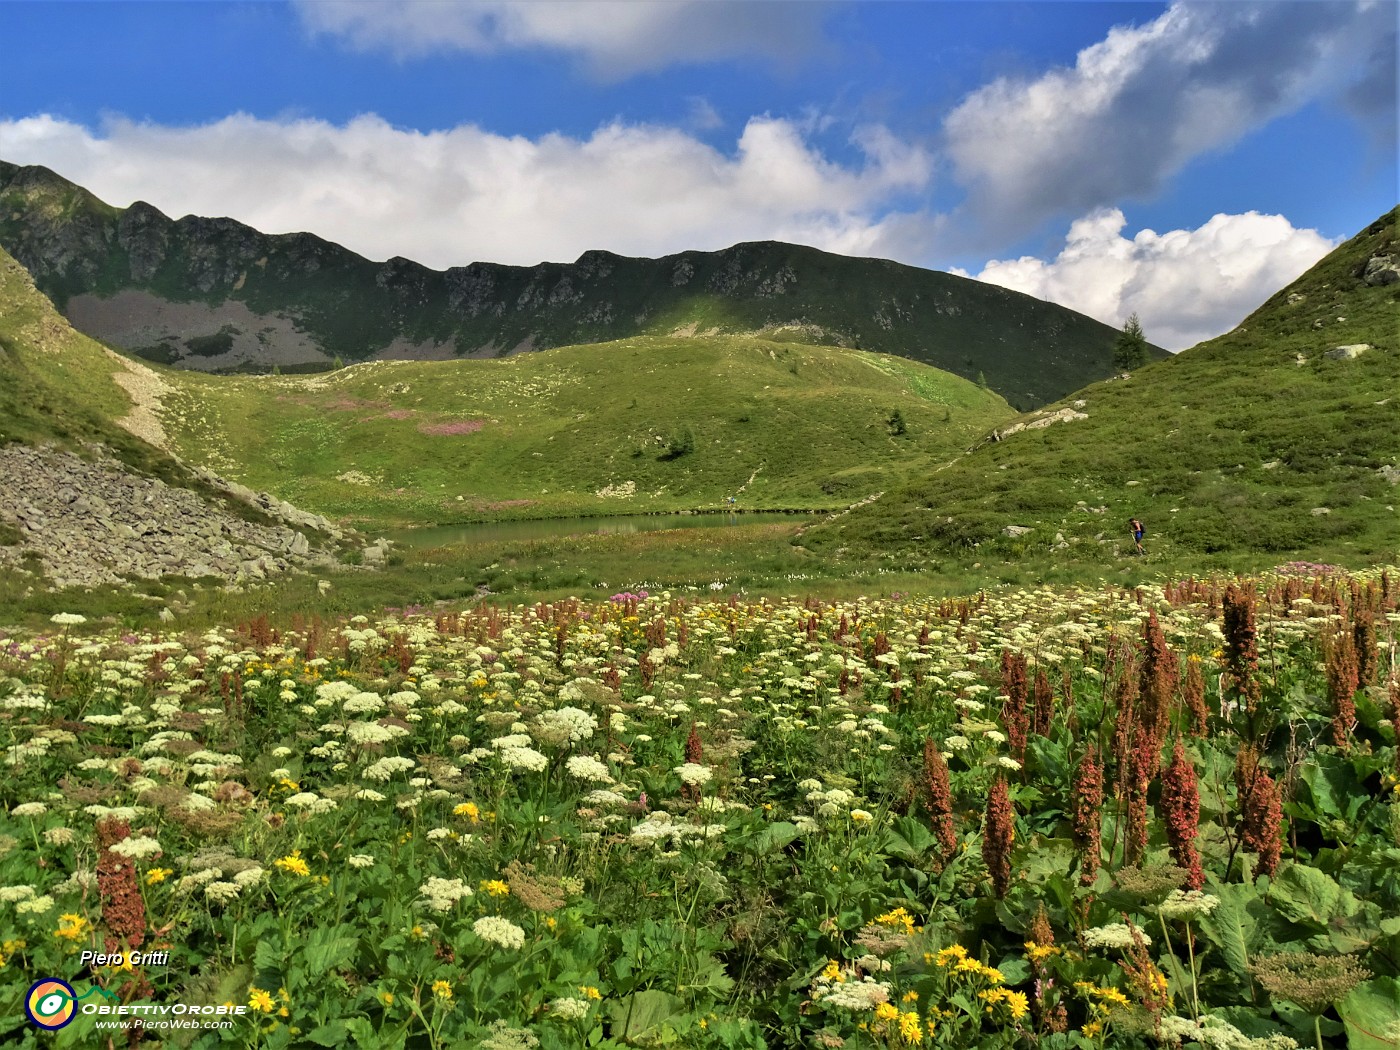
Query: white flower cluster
[576, 723]
[1112, 935]
[590, 769]
[136, 848]
[360, 860]
[499, 931]
[29, 809]
[865, 994]
[569, 1009]
[387, 767]
[694, 774]
[443, 894]
[526, 758]
[1188, 904]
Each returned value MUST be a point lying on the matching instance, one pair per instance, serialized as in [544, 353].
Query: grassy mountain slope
[57, 386]
[1256, 441]
[645, 424]
[215, 294]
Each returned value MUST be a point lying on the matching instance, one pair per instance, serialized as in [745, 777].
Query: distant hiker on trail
[1136, 527]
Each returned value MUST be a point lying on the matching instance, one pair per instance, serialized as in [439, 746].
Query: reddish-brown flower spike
[1044, 706]
[1157, 680]
[123, 909]
[1013, 709]
[1261, 811]
[1181, 813]
[1363, 636]
[1193, 692]
[1088, 831]
[998, 833]
[938, 796]
[1241, 646]
[1342, 681]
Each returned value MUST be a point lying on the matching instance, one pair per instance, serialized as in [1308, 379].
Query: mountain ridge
[216, 294]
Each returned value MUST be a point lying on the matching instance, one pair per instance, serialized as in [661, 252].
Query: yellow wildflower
[468, 810]
[909, 997]
[387, 998]
[495, 887]
[293, 864]
[260, 1000]
[910, 1030]
[1018, 1004]
[886, 1012]
[954, 953]
[832, 970]
[442, 990]
[71, 926]
[1039, 952]
[156, 875]
[589, 992]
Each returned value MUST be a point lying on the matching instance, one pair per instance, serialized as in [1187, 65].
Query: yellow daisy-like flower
[260, 1000]
[70, 927]
[495, 887]
[1018, 1004]
[832, 970]
[156, 875]
[910, 1030]
[1092, 1029]
[442, 990]
[387, 998]
[589, 992]
[886, 1012]
[953, 954]
[293, 864]
[1038, 952]
[909, 997]
[468, 810]
[551, 922]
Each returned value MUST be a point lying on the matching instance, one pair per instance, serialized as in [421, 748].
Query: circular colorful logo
[51, 1003]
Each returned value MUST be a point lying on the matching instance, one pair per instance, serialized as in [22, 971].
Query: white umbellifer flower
[569, 1009]
[443, 894]
[1188, 904]
[511, 740]
[363, 703]
[67, 619]
[369, 795]
[303, 799]
[1112, 935]
[588, 768]
[10, 894]
[694, 774]
[578, 724]
[29, 809]
[853, 995]
[60, 836]
[602, 797]
[360, 860]
[499, 931]
[249, 876]
[34, 905]
[136, 848]
[222, 892]
[1008, 763]
[435, 834]
[526, 758]
[809, 785]
[370, 733]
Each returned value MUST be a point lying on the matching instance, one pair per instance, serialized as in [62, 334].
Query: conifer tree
[1130, 349]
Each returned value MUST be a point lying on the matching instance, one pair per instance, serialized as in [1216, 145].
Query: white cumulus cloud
[614, 38]
[1184, 285]
[1142, 103]
[447, 198]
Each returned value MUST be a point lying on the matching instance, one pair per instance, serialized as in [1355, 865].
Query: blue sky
[1181, 160]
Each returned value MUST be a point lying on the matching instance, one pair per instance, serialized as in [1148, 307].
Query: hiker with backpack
[1136, 528]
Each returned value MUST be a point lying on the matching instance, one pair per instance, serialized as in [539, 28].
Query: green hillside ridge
[1254, 442]
[641, 425]
[57, 386]
[215, 294]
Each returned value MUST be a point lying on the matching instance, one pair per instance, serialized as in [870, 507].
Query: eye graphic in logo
[51, 1003]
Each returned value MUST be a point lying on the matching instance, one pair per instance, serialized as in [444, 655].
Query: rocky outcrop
[93, 522]
[1350, 352]
[1381, 270]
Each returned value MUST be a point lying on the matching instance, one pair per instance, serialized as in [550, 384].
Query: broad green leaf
[332, 1034]
[1232, 928]
[774, 837]
[640, 1016]
[1306, 895]
[1372, 1015]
